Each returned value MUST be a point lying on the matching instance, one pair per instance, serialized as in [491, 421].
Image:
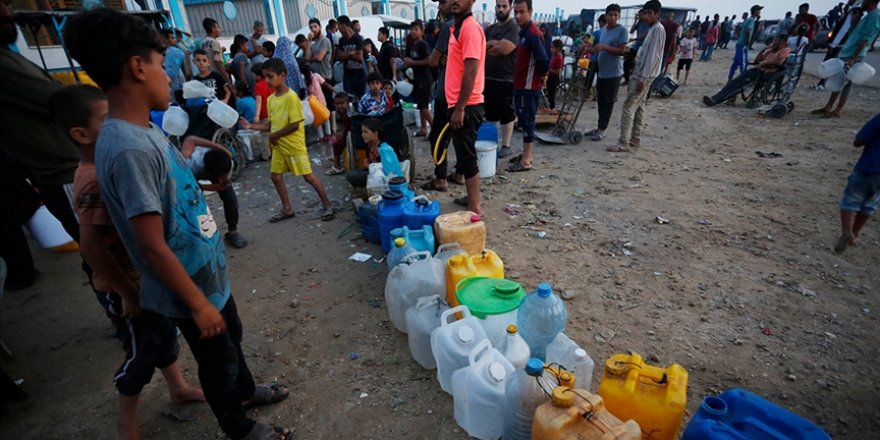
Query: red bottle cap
[475, 218]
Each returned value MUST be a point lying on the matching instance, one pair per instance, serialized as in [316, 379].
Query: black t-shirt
[386, 54]
[421, 50]
[216, 81]
[356, 42]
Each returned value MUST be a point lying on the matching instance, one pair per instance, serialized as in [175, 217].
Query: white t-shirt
[686, 48]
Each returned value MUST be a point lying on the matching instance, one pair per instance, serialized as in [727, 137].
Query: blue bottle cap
[544, 290]
[535, 367]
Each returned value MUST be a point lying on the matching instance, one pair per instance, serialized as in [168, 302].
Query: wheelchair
[772, 94]
[394, 133]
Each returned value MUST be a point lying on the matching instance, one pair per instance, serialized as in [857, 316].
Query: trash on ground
[360, 257]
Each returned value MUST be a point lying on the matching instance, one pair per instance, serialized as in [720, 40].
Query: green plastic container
[494, 301]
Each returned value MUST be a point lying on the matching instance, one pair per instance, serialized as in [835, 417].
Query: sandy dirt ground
[740, 287]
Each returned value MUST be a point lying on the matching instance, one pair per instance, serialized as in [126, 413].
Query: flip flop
[518, 168]
[618, 149]
[431, 186]
[419, 134]
[820, 111]
[327, 214]
[516, 159]
[461, 201]
[454, 178]
[281, 216]
[333, 171]
[266, 394]
[265, 432]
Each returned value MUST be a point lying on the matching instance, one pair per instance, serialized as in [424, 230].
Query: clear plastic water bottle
[541, 317]
[390, 162]
[524, 392]
[397, 253]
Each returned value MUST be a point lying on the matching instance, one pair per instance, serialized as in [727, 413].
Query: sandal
[266, 394]
[618, 149]
[327, 214]
[516, 159]
[281, 216]
[420, 134]
[431, 185]
[820, 111]
[333, 171]
[518, 168]
[264, 432]
[461, 201]
[455, 178]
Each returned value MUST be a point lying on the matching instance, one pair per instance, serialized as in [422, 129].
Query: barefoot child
[287, 140]
[862, 193]
[149, 339]
[686, 50]
[162, 217]
[340, 103]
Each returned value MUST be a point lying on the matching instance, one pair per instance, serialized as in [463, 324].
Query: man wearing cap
[855, 49]
[465, 78]
[649, 61]
[255, 43]
[741, 57]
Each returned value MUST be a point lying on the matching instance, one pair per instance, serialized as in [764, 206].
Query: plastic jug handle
[463, 309]
[425, 198]
[448, 246]
[484, 345]
[416, 256]
[426, 301]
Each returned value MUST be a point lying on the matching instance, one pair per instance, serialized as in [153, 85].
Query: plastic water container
[654, 397]
[487, 157]
[453, 341]
[222, 114]
[421, 212]
[390, 163]
[569, 68]
[494, 301]
[391, 217]
[575, 359]
[478, 392]
[420, 239]
[740, 415]
[421, 320]
[565, 417]
[419, 275]
[464, 227]
[377, 182]
[404, 88]
[459, 267]
[49, 233]
[447, 251]
[401, 249]
[399, 184]
[860, 72]
[830, 67]
[488, 131]
[541, 317]
[368, 218]
[835, 83]
[524, 393]
[515, 348]
[175, 121]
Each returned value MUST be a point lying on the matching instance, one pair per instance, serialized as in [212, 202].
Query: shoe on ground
[236, 240]
[505, 152]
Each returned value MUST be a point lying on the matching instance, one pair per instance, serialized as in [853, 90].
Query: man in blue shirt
[741, 57]
[862, 193]
[853, 51]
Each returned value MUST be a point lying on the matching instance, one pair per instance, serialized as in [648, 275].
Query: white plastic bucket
[829, 68]
[860, 73]
[487, 157]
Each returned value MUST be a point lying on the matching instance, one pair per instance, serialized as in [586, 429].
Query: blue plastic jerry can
[421, 239]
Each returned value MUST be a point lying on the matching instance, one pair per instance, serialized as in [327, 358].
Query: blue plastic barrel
[740, 415]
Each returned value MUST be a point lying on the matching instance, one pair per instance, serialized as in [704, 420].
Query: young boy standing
[557, 64]
[209, 78]
[862, 193]
[686, 50]
[417, 58]
[149, 339]
[287, 141]
[375, 101]
[162, 217]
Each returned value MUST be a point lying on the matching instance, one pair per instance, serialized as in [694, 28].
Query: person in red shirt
[711, 40]
[810, 20]
[465, 80]
[557, 63]
[262, 91]
[532, 63]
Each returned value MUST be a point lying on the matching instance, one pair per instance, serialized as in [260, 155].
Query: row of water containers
[512, 371]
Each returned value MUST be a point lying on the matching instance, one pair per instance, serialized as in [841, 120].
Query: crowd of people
[150, 244]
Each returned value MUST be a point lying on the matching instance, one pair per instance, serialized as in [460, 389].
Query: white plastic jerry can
[419, 275]
[453, 341]
[478, 392]
[573, 358]
[421, 320]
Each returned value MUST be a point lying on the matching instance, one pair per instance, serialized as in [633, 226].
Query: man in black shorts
[417, 57]
[501, 40]
[441, 114]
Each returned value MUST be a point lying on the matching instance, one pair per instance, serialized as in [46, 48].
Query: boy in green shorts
[287, 141]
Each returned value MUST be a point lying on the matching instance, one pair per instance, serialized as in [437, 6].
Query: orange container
[580, 415]
[459, 267]
[464, 228]
[654, 397]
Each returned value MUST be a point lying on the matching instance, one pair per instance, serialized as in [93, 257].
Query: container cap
[562, 397]
[535, 367]
[497, 372]
[399, 242]
[580, 354]
[566, 379]
[396, 180]
[392, 195]
[511, 329]
[475, 218]
[422, 202]
[489, 296]
[544, 290]
[465, 334]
